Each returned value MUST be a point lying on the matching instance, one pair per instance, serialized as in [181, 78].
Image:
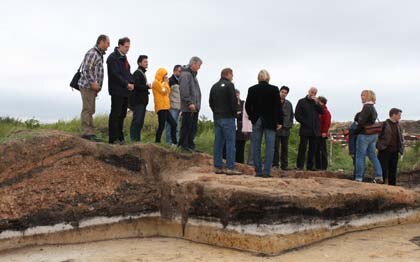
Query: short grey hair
[195, 60]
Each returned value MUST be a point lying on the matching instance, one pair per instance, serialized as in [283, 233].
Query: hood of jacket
[160, 73]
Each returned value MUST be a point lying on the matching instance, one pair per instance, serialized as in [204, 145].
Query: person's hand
[130, 87]
[192, 108]
[324, 135]
[95, 86]
[279, 127]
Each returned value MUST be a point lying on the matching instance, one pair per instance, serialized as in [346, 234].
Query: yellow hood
[161, 72]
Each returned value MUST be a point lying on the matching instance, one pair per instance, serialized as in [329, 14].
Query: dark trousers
[119, 107]
[189, 127]
[163, 117]
[304, 141]
[281, 149]
[240, 151]
[389, 163]
[321, 155]
[139, 113]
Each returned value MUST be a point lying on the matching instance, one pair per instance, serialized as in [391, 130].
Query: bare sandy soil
[398, 243]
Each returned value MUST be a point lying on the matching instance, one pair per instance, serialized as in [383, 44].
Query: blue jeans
[139, 113]
[366, 145]
[175, 115]
[224, 131]
[270, 137]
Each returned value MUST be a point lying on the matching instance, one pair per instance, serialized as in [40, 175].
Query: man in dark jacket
[282, 135]
[139, 98]
[190, 103]
[263, 108]
[223, 103]
[120, 83]
[307, 114]
[390, 143]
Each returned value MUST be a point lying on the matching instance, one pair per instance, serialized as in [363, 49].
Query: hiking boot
[233, 172]
[219, 170]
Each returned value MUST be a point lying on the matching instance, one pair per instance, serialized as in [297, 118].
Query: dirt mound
[53, 177]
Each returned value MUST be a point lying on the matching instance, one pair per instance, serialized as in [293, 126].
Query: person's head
[395, 114]
[284, 91]
[312, 92]
[368, 96]
[177, 70]
[161, 74]
[124, 45]
[143, 61]
[322, 100]
[238, 94]
[102, 42]
[195, 63]
[263, 76]
[227, 73]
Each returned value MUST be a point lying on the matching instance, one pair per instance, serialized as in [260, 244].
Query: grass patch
[11, 128]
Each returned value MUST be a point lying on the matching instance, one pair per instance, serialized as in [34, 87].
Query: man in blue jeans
[139, 98]
[175, 98]
[265, 112]
[224, 104]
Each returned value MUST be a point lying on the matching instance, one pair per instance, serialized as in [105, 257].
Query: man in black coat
[307, 114]
[120, 83]
[263, 108]
[223, 103]
[139, 98]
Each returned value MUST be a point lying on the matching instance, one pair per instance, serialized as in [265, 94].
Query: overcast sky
[341, 47]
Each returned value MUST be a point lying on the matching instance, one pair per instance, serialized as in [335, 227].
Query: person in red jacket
[321, 156]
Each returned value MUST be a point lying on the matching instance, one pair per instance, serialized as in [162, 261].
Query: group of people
[387, 140]
[265, 112]
[175, 95]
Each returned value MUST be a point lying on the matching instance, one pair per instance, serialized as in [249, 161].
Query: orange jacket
[161, 91]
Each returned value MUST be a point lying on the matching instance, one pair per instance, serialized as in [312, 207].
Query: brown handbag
[373, 129]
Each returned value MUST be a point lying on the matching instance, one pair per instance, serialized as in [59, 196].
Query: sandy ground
[399, 243]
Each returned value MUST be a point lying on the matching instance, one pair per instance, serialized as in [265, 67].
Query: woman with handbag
[367, 136]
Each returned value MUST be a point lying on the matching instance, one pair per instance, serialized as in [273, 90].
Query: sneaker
[186, 150]
[92, 138]
[219, 170]
[118, 142]
[233, 172]
[286, 169]
[378, 180]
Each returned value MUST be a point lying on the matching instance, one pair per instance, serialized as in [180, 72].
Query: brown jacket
[386, 136]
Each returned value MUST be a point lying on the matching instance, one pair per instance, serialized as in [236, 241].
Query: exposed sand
[399, 243]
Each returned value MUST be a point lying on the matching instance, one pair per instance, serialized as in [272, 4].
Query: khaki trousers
[88, 109]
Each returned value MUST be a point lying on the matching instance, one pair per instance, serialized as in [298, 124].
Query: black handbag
[75, 81]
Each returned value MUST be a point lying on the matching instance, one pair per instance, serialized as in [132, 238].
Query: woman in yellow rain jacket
[161, 92]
